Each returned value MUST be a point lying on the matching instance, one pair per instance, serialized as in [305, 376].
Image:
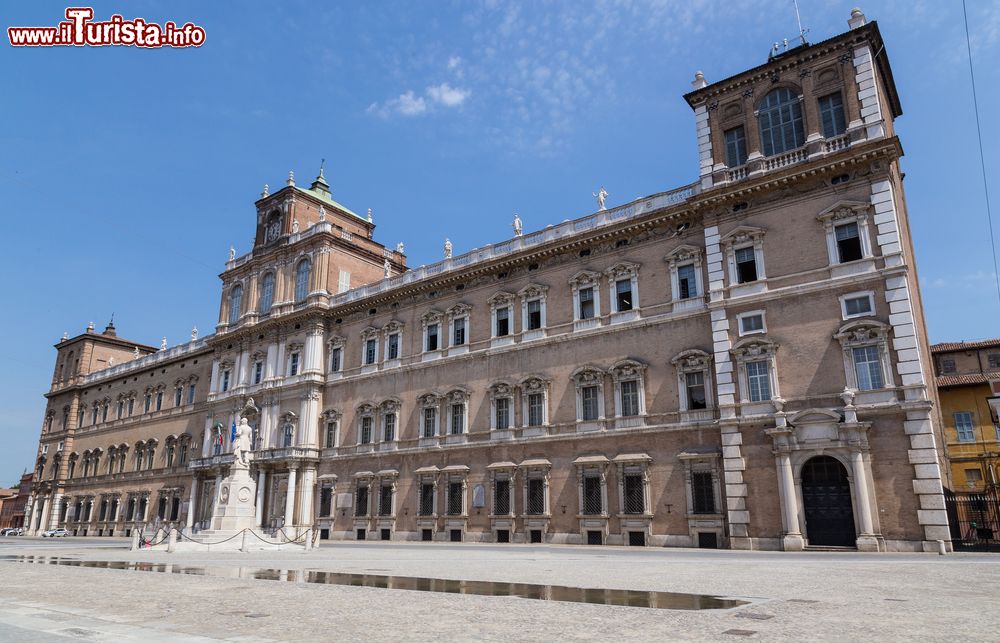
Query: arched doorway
[826, 499]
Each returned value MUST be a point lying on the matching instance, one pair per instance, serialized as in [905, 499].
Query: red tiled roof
[961, 380]
[945, 347]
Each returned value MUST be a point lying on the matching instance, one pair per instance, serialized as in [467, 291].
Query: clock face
[271, 233]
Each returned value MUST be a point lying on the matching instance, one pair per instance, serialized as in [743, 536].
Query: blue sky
[126, 174]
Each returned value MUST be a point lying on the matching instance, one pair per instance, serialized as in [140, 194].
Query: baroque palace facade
[738, 363]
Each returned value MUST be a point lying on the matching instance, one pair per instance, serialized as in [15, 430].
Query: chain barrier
[153, 542]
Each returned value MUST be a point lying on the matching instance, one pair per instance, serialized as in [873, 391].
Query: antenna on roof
[798, 19]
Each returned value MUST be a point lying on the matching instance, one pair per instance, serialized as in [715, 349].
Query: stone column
[290, 497]
[306, 496]
[792, 541]
[270, 364]
[261, 489]
[54, 517]
[206, 447]
[215, 377]
[43, 517]
[192, 502]
[314, 349]
[244, 368]
[866, 539]
[215, 493]
[29, 514]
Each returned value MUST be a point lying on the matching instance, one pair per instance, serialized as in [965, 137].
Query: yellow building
[968, 381]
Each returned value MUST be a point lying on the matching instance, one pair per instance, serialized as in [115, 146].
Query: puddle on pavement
[624, 597]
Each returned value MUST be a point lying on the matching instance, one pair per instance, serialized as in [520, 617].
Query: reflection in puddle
[626, 597]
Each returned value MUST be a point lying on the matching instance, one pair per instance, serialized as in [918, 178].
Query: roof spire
[320, 185]
[110, 328]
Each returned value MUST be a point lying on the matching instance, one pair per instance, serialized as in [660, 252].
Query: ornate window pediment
[459, 309]
[863, 332]
[587, 375]
[458, 396]
[842, 210]
[585, 278]
[501, 299]
[392, 405]
[692, 360]
[429, 399]
[627, 369]
[532, 291]
[331, 415]
[753, 348]
[534, 384]
[685, 253]
[431, 317]
[622, 270]
[366, 409]
[501, 389]
[742, 235]
[336, 341]
[393, 326]
[370, 333]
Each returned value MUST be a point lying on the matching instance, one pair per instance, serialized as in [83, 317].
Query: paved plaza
[275, 595]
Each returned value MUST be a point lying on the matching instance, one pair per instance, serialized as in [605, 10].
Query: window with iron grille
[831, 112]
[458, 332]
[501, 497]
[629, 391]
[503, 413]
[623, 295]
[593, 502]
[426, 505]
[325, 501]
[634, 493]
[385, 500]
[695, 391]
[361, 506]
[534, 314]
[366, 430]
[389, 424]
[457, 419]
[430, 422]
[746, 265]
[736, 147]
[586, 303]
[591, 409]
[702, 492]
[686, 282]
[536, 409]
[536, 496]
[848, 242]
[455, 498]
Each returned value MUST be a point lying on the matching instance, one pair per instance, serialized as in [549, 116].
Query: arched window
[780, 118]
[235, 303]
[302, 280]
[266, 293]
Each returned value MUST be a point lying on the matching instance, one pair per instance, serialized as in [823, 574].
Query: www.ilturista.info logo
[79, 30]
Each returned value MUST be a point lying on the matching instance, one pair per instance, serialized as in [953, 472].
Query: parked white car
[55, 533]
[12, 531]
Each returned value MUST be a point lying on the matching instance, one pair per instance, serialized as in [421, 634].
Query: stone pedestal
[236, 509]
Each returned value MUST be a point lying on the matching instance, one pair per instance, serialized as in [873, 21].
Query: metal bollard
[942, 550]
[171, 541]
[135, 539]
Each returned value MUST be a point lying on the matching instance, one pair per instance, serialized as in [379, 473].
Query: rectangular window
[695, 383]
[293, 364]
[331, 435]
[335, 354]
[178, 396]
[758, 381]
[389, 426]
[361, 509]
[503, 413]
[432, 337]
[430, 422]
[858, 306]
[848, 242]
[370, 351]
[159, 403]
[343, 281]
[190, 397]
[751, 323]
[536, 409]
[634, 491]
[80, 414]
[258, 372]
[119, 410]
[963, 424]
[868, 366]
[534, 314]
[994, 360]
[593, 501]
[458, 332]
[973, 477]
[366, 430]
[501, 497]
[702, 493]
[736, 147]
[148, 400]
[586, 303]
[503, 322]
[455, 498]
[686, 283]
[948, 366]
[457, 419]
[746, 265]
[536, 496]
[629, 397]
[591, 408]
[325, 501]
[831, 112]
[426, 507]
[385, 500]
[623, 295]
[392, 350]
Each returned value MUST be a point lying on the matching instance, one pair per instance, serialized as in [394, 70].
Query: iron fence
[974, 519]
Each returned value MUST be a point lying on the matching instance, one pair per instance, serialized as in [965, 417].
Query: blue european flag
[232, 434]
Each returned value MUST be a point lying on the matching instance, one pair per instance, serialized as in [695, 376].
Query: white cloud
[406, 104]
[454, 62]
[447, 95]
